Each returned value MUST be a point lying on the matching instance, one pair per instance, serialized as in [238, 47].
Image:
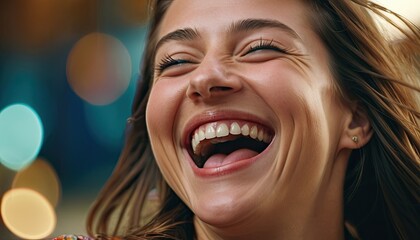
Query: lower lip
[226, 169]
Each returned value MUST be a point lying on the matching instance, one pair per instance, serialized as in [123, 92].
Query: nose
[212, 80]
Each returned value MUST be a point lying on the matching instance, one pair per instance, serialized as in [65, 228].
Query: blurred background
[68, 70]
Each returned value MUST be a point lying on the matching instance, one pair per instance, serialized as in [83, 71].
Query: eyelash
[265, 45]
[169, 61]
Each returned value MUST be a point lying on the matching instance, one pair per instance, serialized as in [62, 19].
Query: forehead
[217, 15]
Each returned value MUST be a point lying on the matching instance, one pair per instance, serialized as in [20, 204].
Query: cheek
[160, 114]
[285, 87]
[161, 111]
[303, 106]
[298, 99]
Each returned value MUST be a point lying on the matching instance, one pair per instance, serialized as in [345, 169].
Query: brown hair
[382, 180]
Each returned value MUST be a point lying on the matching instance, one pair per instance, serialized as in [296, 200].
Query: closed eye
[265, 45]
[168, 62]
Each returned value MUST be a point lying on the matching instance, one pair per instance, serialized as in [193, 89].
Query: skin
[293, 190]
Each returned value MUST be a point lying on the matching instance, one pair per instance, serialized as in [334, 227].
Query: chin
[222, 212]
[226, 207]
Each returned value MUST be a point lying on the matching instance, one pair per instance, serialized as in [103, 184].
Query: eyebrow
[185, 34]
[256, 23]
[189, 34]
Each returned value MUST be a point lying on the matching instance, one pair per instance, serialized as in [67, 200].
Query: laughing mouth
[217, 141]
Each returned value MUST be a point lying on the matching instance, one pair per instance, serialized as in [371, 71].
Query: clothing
[72, 237]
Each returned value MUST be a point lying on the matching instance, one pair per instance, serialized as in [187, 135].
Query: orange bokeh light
[41, 177]
[99, 68]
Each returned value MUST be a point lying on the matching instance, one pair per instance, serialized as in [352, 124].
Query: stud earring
[130, 120]
[355, 139]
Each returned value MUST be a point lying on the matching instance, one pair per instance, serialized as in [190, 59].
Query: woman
[270, 119]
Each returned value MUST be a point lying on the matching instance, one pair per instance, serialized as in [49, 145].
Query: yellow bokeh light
[41, 177]
[99, 68]
[27, 214]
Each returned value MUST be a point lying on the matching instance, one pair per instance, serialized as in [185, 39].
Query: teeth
[201, 134]
[210, 131]
[235, 129]
[222, 130]
[261, 135]
[194, 144]
[267, 138]
[245, 130]
[254, 132]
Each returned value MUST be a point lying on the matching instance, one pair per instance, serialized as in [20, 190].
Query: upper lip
[214, 116]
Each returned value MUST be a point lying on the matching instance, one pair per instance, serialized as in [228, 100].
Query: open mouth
[223, 142]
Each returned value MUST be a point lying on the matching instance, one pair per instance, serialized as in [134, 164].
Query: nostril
[195, 95]
[220, 89]
[212, 90]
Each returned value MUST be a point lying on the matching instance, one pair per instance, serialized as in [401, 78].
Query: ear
[357, 129]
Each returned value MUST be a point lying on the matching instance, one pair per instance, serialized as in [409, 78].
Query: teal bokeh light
[21, 135]
[26, 81]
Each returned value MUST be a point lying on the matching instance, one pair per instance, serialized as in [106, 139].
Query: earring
[355, 139]
[130, 120]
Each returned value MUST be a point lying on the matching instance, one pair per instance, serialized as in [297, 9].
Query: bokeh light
[27, 214]
[21, 136]
[41, 177]
[25, 83]
[99, 68]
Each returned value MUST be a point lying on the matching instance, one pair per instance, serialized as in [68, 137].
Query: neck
[315, 225]
[304, 216]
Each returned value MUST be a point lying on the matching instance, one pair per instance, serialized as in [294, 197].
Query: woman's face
[242, 116]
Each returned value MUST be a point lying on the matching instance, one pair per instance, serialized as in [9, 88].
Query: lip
[214, 116]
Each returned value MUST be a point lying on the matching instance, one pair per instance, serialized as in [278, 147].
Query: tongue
[218, 160]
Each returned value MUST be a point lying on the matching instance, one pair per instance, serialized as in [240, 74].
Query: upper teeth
[216, 130]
